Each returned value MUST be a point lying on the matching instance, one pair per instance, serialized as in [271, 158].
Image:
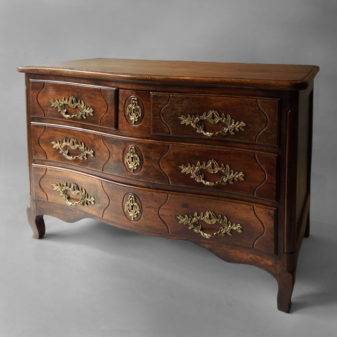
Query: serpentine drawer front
[211, 170]
[215, 153]
[159, 212]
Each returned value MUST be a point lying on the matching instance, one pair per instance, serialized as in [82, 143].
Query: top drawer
[74, 103]
[248, 119]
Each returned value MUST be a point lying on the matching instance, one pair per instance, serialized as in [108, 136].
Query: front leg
[37, 223]
[285, 282]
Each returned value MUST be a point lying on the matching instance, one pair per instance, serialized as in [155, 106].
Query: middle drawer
[194, 167]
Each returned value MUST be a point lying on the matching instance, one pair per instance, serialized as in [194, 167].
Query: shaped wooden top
[275, 76]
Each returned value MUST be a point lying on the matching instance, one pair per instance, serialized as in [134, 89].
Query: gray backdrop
[89, 279]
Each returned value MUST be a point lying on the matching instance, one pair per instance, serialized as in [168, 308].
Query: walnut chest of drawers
[215, 153]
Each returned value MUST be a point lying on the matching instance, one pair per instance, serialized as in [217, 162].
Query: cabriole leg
[37, 223]
[285, 282]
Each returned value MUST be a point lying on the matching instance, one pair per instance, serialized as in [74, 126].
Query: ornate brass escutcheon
[73, 103]
[63, 146]
[196, 172]
[73, 195]
[197, 122]
[132, 160]
[132, 207]
[134, 111]
[193, 221]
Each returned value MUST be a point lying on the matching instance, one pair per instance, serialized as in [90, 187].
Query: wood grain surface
[212, 73]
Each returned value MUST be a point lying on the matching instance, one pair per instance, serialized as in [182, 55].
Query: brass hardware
[210, 218]
[65, 144]
[132, 208]
[212, 166]
[134, 110]
[66, 189]
[230, 126]
[132, 160]
[74, 103]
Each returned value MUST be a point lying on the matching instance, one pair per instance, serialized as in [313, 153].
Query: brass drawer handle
[193, 221]
[63, 146]
[73, 195]
[74, 103]
[132, 160]
[134, 111]
[230, 126]
[229, 176]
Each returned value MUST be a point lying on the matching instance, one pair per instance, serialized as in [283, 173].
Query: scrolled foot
[285, 282]
[36, 223]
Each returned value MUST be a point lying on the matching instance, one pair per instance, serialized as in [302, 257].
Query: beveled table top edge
[273, 76]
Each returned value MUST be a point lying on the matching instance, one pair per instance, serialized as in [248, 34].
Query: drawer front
[79, 148]
[250, 120]
[203, 169]
[125, 207]
[74, 191]
[74, 103]
[134, 113]
[131, 160]
[222, 170]
[221, 222]
[215, 221]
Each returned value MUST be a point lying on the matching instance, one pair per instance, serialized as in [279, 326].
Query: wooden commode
[215, 153]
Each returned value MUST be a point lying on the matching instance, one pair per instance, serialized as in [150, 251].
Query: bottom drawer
[218, 221]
